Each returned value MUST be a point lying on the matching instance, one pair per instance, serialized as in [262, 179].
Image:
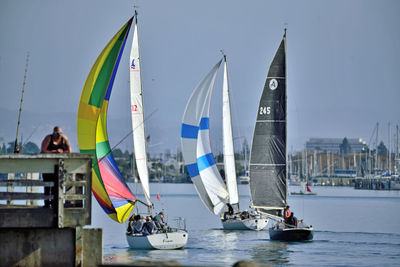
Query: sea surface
[352, 228]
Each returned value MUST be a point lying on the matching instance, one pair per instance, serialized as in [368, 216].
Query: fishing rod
[16, 148]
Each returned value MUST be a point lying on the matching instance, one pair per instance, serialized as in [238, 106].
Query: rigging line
[233, 103]
[126, 136]
[29, 137]
[149, 206]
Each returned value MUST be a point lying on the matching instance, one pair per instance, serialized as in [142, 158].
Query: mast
[389, 156]
[376, 149]
[16, 148]
[396, 163]
[285, 140]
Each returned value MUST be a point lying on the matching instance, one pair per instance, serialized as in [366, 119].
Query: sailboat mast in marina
[109, 186]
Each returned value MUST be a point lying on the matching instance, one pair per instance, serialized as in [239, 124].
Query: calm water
[352, 228]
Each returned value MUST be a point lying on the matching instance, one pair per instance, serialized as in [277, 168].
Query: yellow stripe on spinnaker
[101, 133]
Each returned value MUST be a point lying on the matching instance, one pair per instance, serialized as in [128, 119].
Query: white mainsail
[196, 146]
[139, 137]
[229, 153]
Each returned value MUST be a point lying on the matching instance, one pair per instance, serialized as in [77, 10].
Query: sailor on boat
[286, 213]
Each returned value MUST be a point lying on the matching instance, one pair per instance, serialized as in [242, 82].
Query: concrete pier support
[35, 234]
[50, 247]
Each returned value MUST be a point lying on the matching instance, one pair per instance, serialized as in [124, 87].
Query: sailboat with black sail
[268, 157]
[109, 186]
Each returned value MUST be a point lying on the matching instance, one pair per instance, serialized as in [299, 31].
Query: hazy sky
[343, 59]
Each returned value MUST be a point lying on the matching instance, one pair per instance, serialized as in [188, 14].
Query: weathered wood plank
[21, 163]
[25, 183]
[75, 183]
[27, 165]
[74, 197]
[23, 196]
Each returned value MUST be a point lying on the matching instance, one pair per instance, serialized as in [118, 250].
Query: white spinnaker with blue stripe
[210, 189]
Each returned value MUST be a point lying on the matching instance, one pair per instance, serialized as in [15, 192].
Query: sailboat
[268, 156]
[109, 186]
[304, 190]
[199, 159]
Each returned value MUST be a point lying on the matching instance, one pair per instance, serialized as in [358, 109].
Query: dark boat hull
[291, 234]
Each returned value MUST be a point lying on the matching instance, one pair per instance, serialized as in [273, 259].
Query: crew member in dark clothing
[56, 142]
[292, 221]
[229, 212]
[230, 209]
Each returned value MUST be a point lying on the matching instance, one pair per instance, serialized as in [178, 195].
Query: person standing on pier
[56, 142]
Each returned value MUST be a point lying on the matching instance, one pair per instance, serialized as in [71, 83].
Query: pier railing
[23, 196]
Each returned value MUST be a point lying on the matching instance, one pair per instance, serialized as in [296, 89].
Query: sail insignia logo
[133, 64]
[273, 84]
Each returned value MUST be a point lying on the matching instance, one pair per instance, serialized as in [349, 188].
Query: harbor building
[333, 144]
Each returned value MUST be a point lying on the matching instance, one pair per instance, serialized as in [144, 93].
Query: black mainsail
[268, 185]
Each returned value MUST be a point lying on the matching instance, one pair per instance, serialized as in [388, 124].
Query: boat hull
[303, 194]
[171, 240]
[255, 224]
[291, 234]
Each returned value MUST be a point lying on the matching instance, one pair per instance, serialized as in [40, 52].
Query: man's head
[57, 131]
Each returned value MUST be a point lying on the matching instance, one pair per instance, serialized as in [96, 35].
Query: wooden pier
[378, 183]
[33, 234]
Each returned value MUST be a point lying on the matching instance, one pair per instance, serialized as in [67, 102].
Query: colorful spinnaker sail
[108, 185]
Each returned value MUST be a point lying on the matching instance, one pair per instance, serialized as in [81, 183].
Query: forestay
[268, 185]
[196, 148]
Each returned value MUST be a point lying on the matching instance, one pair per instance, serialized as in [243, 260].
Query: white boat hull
[303, 193]
[255, 224]
[171, 240]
